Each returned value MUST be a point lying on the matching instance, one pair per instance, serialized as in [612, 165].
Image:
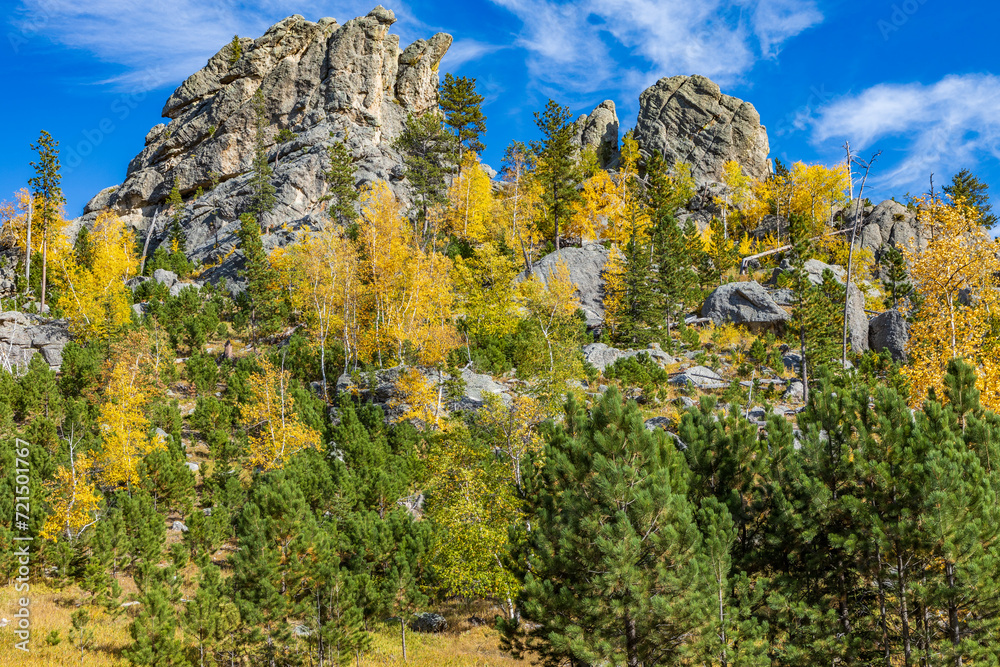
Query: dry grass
[462, 645]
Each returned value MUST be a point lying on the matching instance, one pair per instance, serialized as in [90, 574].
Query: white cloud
[159, 43]
[571, 44]
[938, 128]
[466, 50]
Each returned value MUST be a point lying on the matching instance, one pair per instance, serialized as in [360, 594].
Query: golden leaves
[274, 430]
[74, 499]
[954, 276]
[130, 383]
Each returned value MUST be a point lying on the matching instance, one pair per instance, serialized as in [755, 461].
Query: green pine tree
[46, 187]
[426, 147]
[83, 250]
[557, 171]
[612, 556]
[154, 631]
[340, 178]
[263, 310]
[235, 50]
[463, 113]
[895, 281]
[968, 187]
[209, 617]
[262, 199]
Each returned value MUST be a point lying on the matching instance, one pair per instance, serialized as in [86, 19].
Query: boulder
[889, 331]
[428, 622]
[586, 268]
[178, 287]
[477, 384]
[192, 466]
[744, 303]
[701, 378]
[688, 119]
[600, 355]
[23, 335]
[179, 526]
[164, 277]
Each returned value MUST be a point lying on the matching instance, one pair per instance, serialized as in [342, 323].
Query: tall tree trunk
[402, 632]
[881, 608]
[45, 261]
[631, 642]
[953, 611]
[904, 612]
[27, 252]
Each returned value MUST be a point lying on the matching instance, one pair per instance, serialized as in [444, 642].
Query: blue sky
[917, 79]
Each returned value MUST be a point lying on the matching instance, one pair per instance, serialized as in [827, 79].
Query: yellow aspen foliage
[473, 506]
[552, 305]
[274, 431]
[816, 189]
[614, 289]
[519, 206]
[427, 314]
[95, 298]
[421, 399]
[954, 276]
[470, 199]
[612, 207]
[74, 499]
[597, 206]
[130, 382]
[512, 429]
[14, 217]
[487, 293]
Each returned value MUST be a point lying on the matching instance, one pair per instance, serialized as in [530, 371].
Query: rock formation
[599, 130]
[586, 268]
[23, 335]
[688, 119]
[321, 81]
[744, 303]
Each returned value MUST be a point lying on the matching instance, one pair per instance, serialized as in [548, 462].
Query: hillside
[315, 385]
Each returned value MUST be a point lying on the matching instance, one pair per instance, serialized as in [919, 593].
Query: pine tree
[83, 249]
[263, 310]
[895, 282]
[154, 629]
[612, 554]
[557, 171]
[463, 113]
[46, 187]
[967, 186]
[426, 148]
[235, 50]
[340, 178]
[209, 618]
[262, 199]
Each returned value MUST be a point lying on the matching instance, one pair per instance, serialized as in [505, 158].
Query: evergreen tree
[235, 50]
[895, 282]
[258, 301]
[426, 148]
[262, 199]
[154, 629]
[209, 618]
[340, 178]
[557, 172]
[83, 250]
[463, 113]
[673, 276]
[612, 555]
[46, 188]
[967, 186]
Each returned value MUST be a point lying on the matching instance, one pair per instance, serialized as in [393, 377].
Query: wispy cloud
[162, 43]
[571, 45]
[463, 51]
[941, 127]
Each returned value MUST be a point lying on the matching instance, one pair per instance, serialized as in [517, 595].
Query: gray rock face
[599, 131]
[889, 331]
[23, 335]
[700, 377]
[352, 81]
[688, 119]
[745, 303]
[600, 355]
[586, 267]
[164, 277]
[888, 224]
